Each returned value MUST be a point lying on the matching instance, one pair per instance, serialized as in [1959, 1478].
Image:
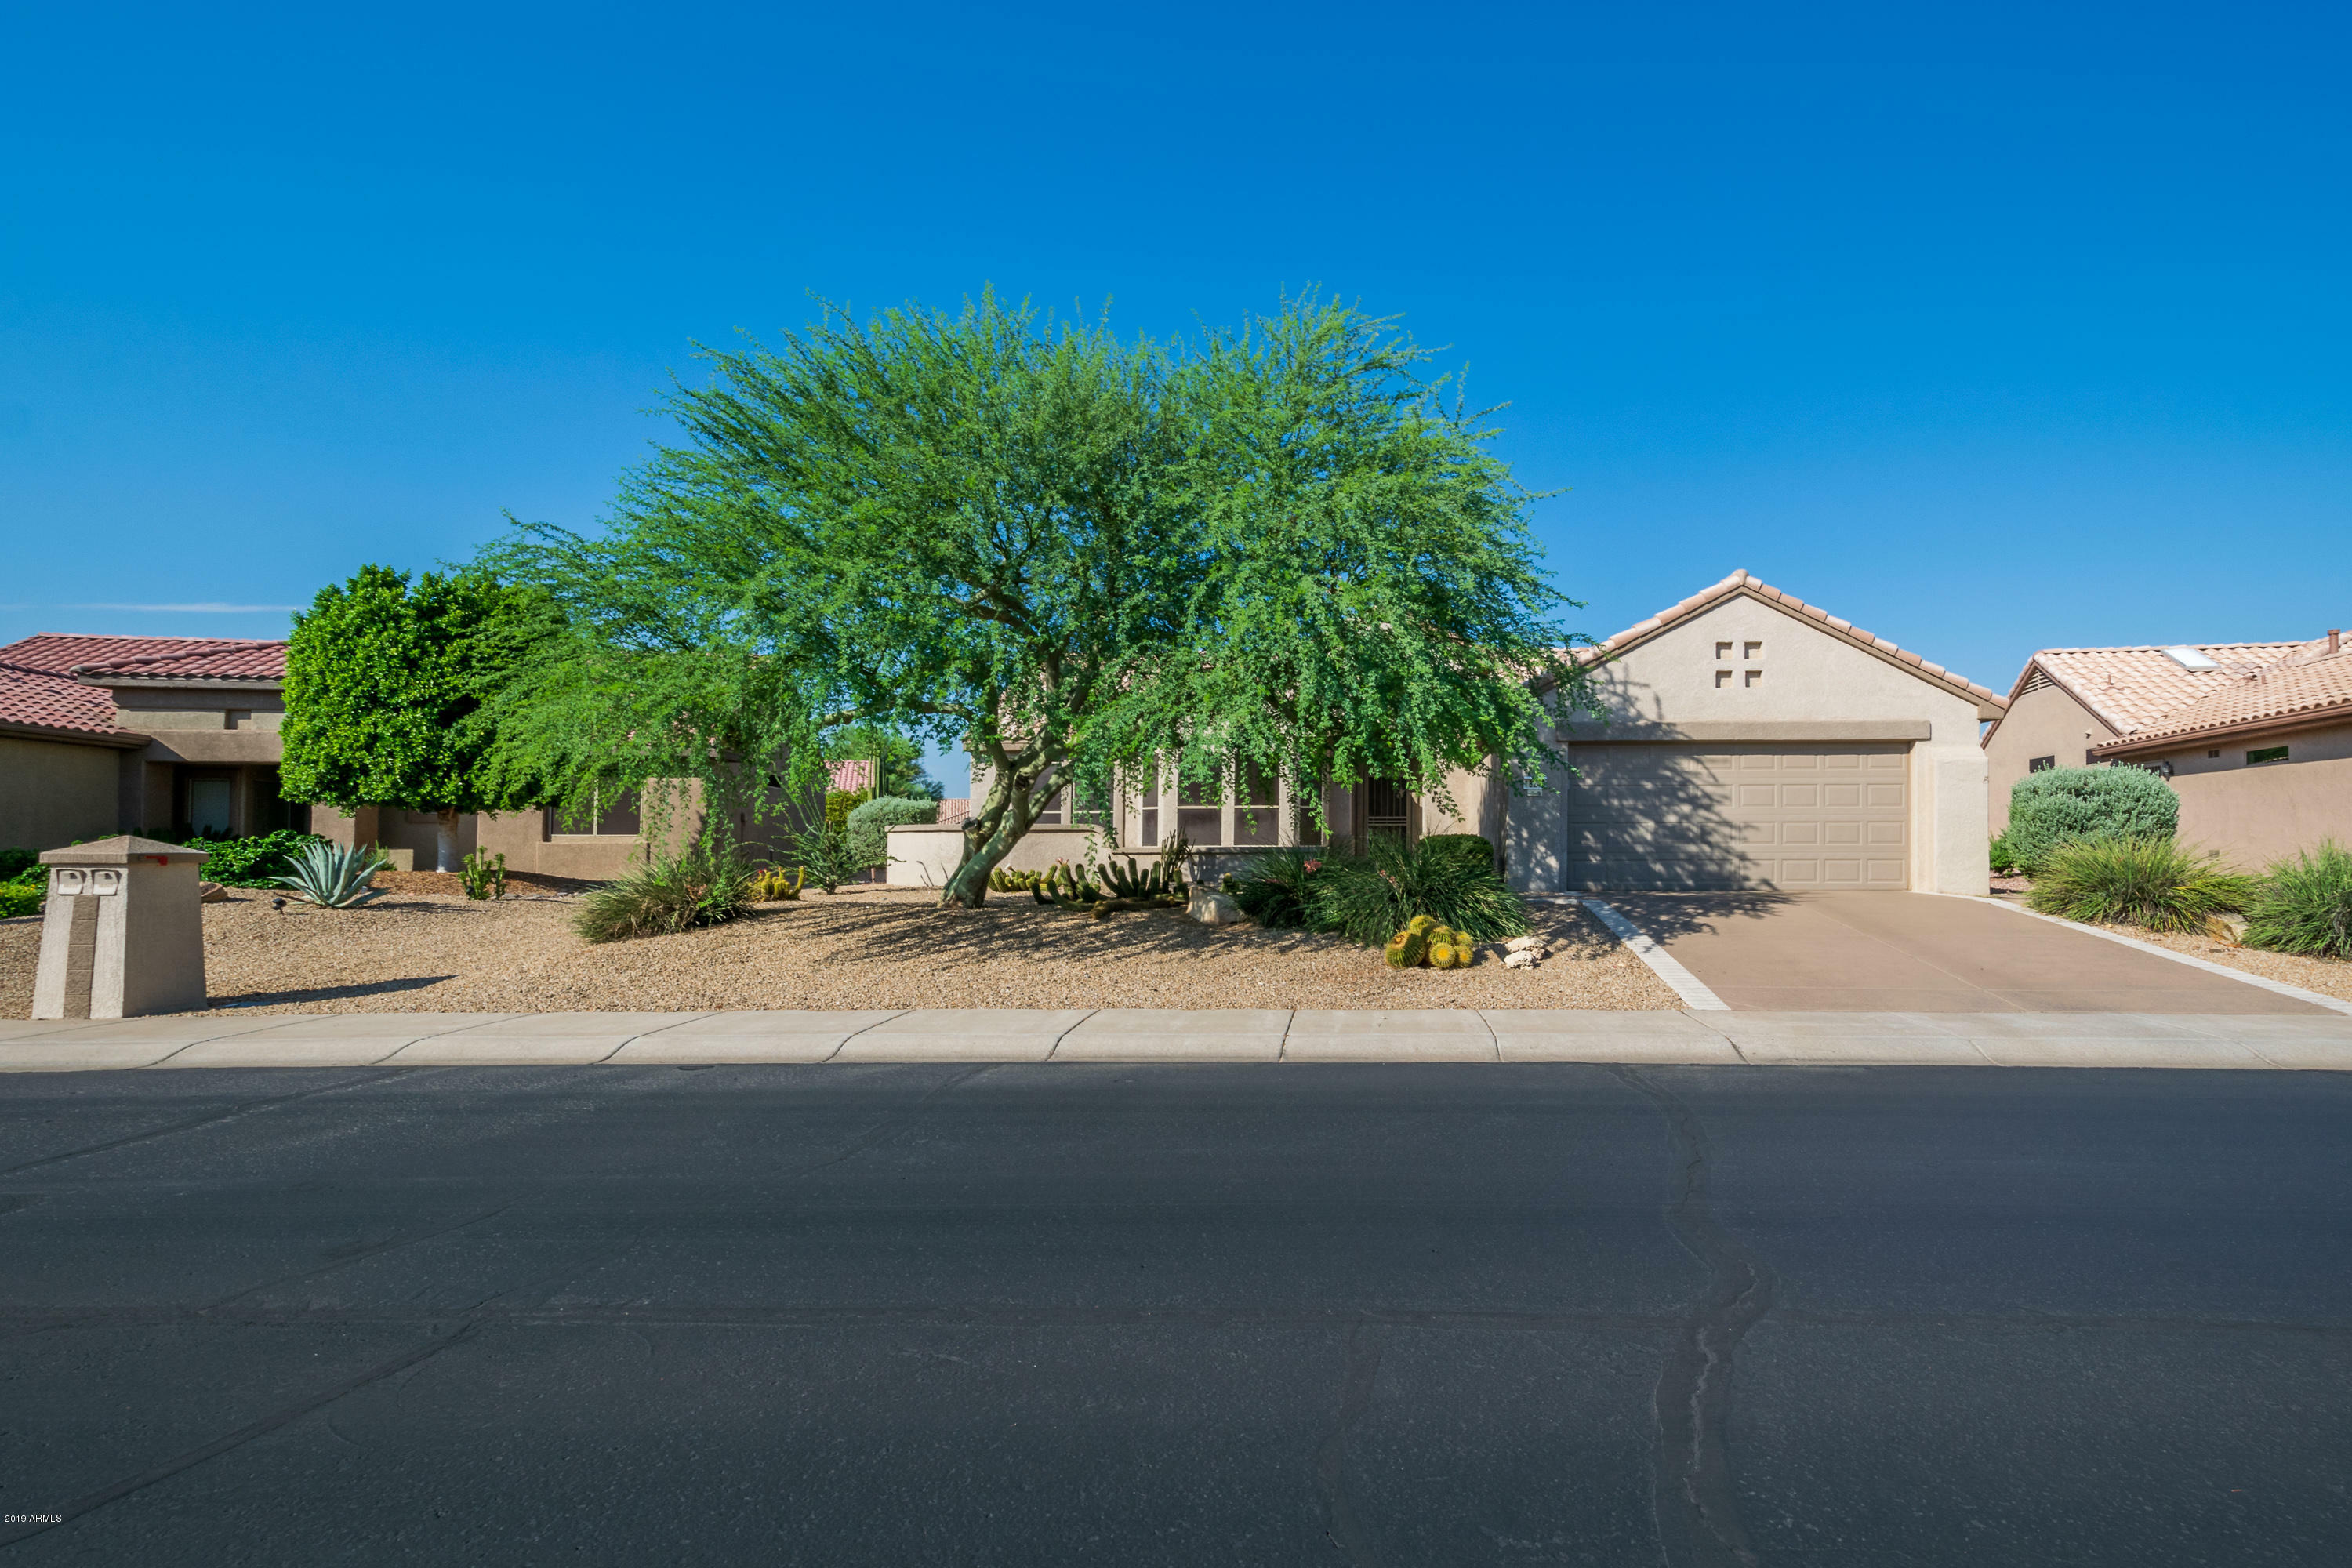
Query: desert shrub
[840, 803]
[869, 825]
[2002, 858]
[824, 853]
[2152, 882]
[684, 894]
[258, 861]
[1473, 848]
[2304, 905]
[1369, 899]
[24, 895]
[1278, 889]
[2065, 805]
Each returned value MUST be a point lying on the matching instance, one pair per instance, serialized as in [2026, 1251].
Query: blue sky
[1988, 329]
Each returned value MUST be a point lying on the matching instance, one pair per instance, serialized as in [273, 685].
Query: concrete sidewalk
[2256, 1041]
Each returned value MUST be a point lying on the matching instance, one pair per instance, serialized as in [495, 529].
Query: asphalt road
[1026, 1315]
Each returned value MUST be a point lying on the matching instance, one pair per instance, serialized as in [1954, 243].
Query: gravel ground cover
[865, 948]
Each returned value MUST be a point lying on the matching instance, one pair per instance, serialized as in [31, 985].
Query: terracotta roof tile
[2131, 689]
[196, 658]
[38, 699]
[2308, 683]
[1740, 581]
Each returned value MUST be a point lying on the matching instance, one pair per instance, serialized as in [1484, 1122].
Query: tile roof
[2130, 689]
[148, 658]
[36, 699]
[855, 775]
[1742, 583]
[2309, 683]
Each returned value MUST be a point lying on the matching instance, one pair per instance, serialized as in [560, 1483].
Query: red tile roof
[1741, 583]
[858, 774]
[2130, 689]
[2309, 683]
[148, 658]
[34, 700]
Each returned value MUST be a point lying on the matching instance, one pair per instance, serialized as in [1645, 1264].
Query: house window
[617, 820]
[1255, 819]
[2038, 764]
[1151, 807]
[2209, 755]
[1199, 813]
[2266, 754]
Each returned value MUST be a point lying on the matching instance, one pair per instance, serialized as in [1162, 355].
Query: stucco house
[1746, 739]
[171, 737]
[101, 735]
[2255, 738]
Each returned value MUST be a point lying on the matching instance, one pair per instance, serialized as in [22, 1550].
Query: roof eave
[120, 740]
[2278, 724]
[185, 682]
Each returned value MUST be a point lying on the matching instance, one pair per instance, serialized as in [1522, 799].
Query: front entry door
[1383, 810]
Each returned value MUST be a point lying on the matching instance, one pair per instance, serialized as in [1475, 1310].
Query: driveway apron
[1914, 953]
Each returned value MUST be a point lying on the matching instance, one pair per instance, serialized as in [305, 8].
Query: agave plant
[336, 875]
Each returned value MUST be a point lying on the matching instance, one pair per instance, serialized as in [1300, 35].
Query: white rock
[1524, 944]
[1523, 959]
[210, 893]
[1212, 908]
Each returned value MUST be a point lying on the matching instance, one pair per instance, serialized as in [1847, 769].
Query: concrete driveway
[1914, 952]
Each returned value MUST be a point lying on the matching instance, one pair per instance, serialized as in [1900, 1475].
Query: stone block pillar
[122, 933]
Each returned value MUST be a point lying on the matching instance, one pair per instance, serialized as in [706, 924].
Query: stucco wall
[1804, 679]
[925, 855]
[2044, 723]
[2259, 813]
[54, 792]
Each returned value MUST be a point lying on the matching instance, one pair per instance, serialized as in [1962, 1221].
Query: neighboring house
[2255, 738]
[178, 737]
[1749, 740]
[156, 735]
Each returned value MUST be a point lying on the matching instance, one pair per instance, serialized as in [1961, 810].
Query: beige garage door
[1792, 817]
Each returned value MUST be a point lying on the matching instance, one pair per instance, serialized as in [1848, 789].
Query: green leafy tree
[384, 694]
[1279, 547]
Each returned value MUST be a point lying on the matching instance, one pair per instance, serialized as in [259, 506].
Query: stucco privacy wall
[2045, 723]
[1807, 687]
[2254, 814]
[53, 792]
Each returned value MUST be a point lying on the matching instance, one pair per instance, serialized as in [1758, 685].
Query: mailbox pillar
[123, 931]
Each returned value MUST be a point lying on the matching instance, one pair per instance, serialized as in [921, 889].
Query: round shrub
[870, 824]
[1472, 849]
[2066, 806]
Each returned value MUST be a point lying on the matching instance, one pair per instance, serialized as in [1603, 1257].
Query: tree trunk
[1010, 803]
[445, 833]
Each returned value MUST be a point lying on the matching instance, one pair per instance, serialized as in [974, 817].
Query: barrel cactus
[1407, 948]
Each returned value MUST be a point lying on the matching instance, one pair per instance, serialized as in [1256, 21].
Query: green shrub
[2151, 882]
[870, 826]
[1369, 899]
[2062, 806]
[692, 890]
[840, 803]
[2003, 860]
[255, 862]
[2304, 905]
[824, 853]
[1278, 889]
[1473, 848]
[14, 863]
[19, 896]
